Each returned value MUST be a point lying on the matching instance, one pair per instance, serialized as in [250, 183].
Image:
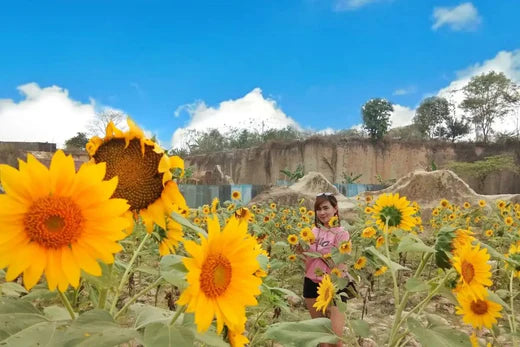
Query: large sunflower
[478, 312]
[326, 292]
[221, 280]
[58, 221]
[144, 171]
[396, 209]
[475, 275]
[169, 238]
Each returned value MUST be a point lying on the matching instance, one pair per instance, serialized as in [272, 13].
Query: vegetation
[489, 97]
[376, 117]
[295, 175]
[430, 114]
[77, 142]
[482, 168]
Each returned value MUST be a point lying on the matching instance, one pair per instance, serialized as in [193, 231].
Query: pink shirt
[326, 239]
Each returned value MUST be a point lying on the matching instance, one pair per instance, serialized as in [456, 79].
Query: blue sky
[318, 60]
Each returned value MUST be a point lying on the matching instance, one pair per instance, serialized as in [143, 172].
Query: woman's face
[325, 212]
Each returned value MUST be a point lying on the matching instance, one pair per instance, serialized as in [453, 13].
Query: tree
[453, 128]
[376, 117]
[98, 125]
[489, 97]
[430, 114]
[77, 142]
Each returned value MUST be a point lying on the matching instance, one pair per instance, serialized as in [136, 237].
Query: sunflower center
[479, 307]
[215, 275]
[467, 271]
[54, 221]
[139, 182]
[393, 214]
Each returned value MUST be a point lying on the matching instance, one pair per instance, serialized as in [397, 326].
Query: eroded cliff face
[389, 160]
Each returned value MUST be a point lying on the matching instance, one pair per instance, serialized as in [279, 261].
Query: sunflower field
[110, 254]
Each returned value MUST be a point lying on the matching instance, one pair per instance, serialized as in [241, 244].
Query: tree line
[487, 98]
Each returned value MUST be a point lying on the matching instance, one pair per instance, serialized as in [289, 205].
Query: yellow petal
[62, 173]
[21, 260]
[14, 184]
[69, 267]
[85, 261]
[33, 273]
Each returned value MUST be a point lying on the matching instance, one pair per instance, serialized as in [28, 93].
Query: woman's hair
[320, 199]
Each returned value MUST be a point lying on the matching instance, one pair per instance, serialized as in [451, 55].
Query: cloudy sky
[176, 66]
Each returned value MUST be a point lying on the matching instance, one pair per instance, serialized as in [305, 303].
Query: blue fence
[198, 195]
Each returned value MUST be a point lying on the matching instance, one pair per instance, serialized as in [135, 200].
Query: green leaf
[437, 336]
[306, 333]
[313, 254]
[495, 254]
[147, 314]
[411, 243]
[96, 328]
[40, 334]
[39, 294]
[393, 266]
[183, 221]
[416, 285]
[160, 334]
[361, 327]
[172, 269]
[12, 289]
[56, 313]
[263, 261]
[147, 270]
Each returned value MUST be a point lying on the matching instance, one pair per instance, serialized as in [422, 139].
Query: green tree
[453, 128]
[489, 97]
[77, 142]
[430, 114]
[376, 117]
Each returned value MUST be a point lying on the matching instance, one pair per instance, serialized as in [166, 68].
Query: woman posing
[326, 238]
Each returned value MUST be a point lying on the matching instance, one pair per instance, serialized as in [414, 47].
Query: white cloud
[349, 5]
[404, 91]
[401, 116]
[252, 112]
[507, 62]
[462, 17]
[44, 115]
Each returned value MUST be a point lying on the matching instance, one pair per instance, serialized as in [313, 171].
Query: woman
[326, 238]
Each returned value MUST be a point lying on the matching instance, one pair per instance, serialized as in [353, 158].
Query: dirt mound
[307, 187]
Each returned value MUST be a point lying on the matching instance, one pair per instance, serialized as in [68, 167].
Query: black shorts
[310, 290]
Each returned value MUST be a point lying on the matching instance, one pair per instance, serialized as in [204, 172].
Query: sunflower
[143, 170]
[360, 263]
[463, 237]
[368, 232]
[230, 207]
[169, 238]
[444, 203]
[345, 247]
[292, 239]
[291, 257]
[221, 280]
[333, 222]
[197, 220]
[380, 241]
[380, 271]
[489, 232]
[236, 339]
[215, 205]
[58, 221]
[326, 292]
[435, 212]
[368, 210]
[482, 203]
[303, 210]
[467, 205]
[243, 213]
[310, 213]
[475, 275]
[396, 209]
[508, 221]
[266, 219]
[236, 195]
[272, 206]
[368, 198]
[478, 312]
[305, 233]
[206, 209]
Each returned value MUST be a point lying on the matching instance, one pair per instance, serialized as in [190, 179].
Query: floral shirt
[325, 240]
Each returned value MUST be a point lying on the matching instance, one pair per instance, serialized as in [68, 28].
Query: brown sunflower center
[54, 221]
[139, 182]
[467, 271]
[215, 275]
[479, 307]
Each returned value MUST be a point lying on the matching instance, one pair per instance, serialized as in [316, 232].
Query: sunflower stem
[127, 273]
[177, 314]
[137, 296]
[104, 291]
[404, 300]
[67, 304]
